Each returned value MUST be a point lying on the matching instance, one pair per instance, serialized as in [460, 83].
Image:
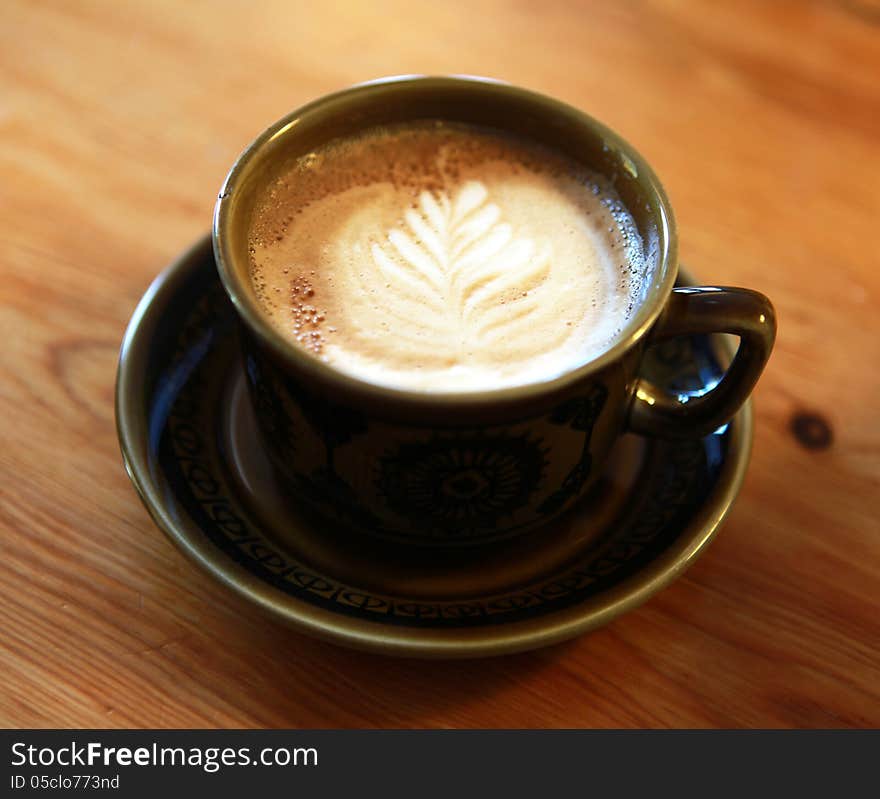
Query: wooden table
[118, 122]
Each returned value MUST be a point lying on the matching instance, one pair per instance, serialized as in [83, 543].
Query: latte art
[449, 274]
[469, 263]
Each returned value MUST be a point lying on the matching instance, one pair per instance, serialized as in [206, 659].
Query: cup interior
[467, 100]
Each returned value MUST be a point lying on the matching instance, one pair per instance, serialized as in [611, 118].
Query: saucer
[187, 435]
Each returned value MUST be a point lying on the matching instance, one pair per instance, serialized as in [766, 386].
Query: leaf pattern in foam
[458, 273]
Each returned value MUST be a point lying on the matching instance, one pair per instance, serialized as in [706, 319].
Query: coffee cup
[491, 457]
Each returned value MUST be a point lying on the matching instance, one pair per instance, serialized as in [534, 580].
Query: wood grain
[117, 124]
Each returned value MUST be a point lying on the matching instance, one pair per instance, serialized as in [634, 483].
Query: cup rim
[317, 372]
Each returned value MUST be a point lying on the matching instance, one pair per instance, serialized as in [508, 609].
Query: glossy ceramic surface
[186, 429]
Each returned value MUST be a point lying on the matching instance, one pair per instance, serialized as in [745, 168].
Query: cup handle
[707, 309]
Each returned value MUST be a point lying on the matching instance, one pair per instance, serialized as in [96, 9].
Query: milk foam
[445, 259]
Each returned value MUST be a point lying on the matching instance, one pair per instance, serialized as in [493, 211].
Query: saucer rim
[362, 634]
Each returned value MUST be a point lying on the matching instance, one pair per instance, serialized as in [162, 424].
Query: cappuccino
[443, 257]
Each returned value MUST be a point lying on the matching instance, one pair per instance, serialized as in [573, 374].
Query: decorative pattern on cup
[461, 487]
[467, 486]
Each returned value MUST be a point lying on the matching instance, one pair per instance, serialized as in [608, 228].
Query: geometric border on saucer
[166, 445]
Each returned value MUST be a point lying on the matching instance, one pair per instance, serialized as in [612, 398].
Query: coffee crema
[443, 257]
